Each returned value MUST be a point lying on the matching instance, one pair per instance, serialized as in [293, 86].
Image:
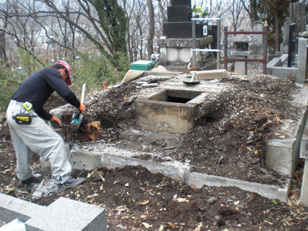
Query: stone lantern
[240, 51]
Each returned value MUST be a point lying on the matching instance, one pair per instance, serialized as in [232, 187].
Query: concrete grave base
[281, 155]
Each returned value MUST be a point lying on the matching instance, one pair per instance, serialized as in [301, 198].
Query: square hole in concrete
[175, 96]
[168, 110]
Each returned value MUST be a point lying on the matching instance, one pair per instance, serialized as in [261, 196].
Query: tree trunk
[3, 57]
[277, 33]
[151, 28]
[161, 8]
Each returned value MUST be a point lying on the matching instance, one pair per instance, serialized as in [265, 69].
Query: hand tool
[77, 116]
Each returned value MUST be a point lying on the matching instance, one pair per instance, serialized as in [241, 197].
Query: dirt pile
[230, 130]
[228, 140]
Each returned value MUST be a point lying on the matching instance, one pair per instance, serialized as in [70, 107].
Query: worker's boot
[35, 179]
[71, 182]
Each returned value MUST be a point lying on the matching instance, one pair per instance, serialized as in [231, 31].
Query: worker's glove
[82, 108]
[55, 122]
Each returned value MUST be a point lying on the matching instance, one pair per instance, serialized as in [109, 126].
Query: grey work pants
[39, 138]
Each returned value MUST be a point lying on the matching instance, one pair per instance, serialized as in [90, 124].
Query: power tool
[77, 116]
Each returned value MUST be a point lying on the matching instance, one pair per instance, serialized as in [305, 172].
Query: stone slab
[184, 42]
[269, 191]
[180, 2]
[64, 214]
[178, 13]
[302, 61]
[282, 154]
[12, 208]
[181, 30]
[304, 188]
[69, 215]
[211, 74]
[304, 144]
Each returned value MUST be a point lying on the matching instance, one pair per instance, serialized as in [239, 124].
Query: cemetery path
[228, 140]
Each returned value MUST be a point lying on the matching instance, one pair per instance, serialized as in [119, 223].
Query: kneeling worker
[29, 131]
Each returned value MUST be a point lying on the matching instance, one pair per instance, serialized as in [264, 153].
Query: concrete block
[302, 61]
[304, 188]
[284, 72]
[12, 208]
[282, 154]
[198, 180]
[63, 214]
[212, 74]
[86, 160]
[304, 144]
[181, 55]
[273, 63]
[69, 215]
[119, 158]
[284, 59]
[279, 155]
[184, 42]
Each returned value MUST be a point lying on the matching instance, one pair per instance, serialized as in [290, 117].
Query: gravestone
[285, 41]
[292, 45]
[179, 24]
[176, 43]
[256, 43]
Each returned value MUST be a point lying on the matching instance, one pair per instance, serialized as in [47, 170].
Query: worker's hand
[55, 122]
[82, 108]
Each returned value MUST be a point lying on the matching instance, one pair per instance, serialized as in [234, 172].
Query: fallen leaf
[147, 225]
[268, 222]
[181, 200]
[236, 202]
[144, 202]
[200, 225]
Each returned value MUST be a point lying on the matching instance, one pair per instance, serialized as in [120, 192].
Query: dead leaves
[94, 130]
[179, 200]
[144, 202]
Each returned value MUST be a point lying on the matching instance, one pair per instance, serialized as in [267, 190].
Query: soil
[228, 139]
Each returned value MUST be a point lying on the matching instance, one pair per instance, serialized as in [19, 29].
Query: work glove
[55, 122]
[82, 108]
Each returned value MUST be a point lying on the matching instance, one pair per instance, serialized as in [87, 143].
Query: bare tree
[162, 9]
[151, 28]
[3, 28]
[21, 27]
[107, 20]
[236, 11]
[129, 7]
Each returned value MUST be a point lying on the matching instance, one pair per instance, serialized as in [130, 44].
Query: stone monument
[176, 43]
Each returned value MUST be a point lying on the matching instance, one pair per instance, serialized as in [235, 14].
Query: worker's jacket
[39, 86]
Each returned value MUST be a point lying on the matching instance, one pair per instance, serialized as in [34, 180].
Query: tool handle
[83, 92]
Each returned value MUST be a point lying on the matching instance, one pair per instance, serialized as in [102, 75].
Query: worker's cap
[68, 69]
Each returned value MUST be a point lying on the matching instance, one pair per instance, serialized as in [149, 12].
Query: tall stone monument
[176, 43]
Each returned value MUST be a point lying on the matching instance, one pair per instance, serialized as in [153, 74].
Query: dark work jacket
[39, 86]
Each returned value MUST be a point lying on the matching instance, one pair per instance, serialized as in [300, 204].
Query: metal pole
[265, 28]
[226, 48]
[194, 42]
[218, 40]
